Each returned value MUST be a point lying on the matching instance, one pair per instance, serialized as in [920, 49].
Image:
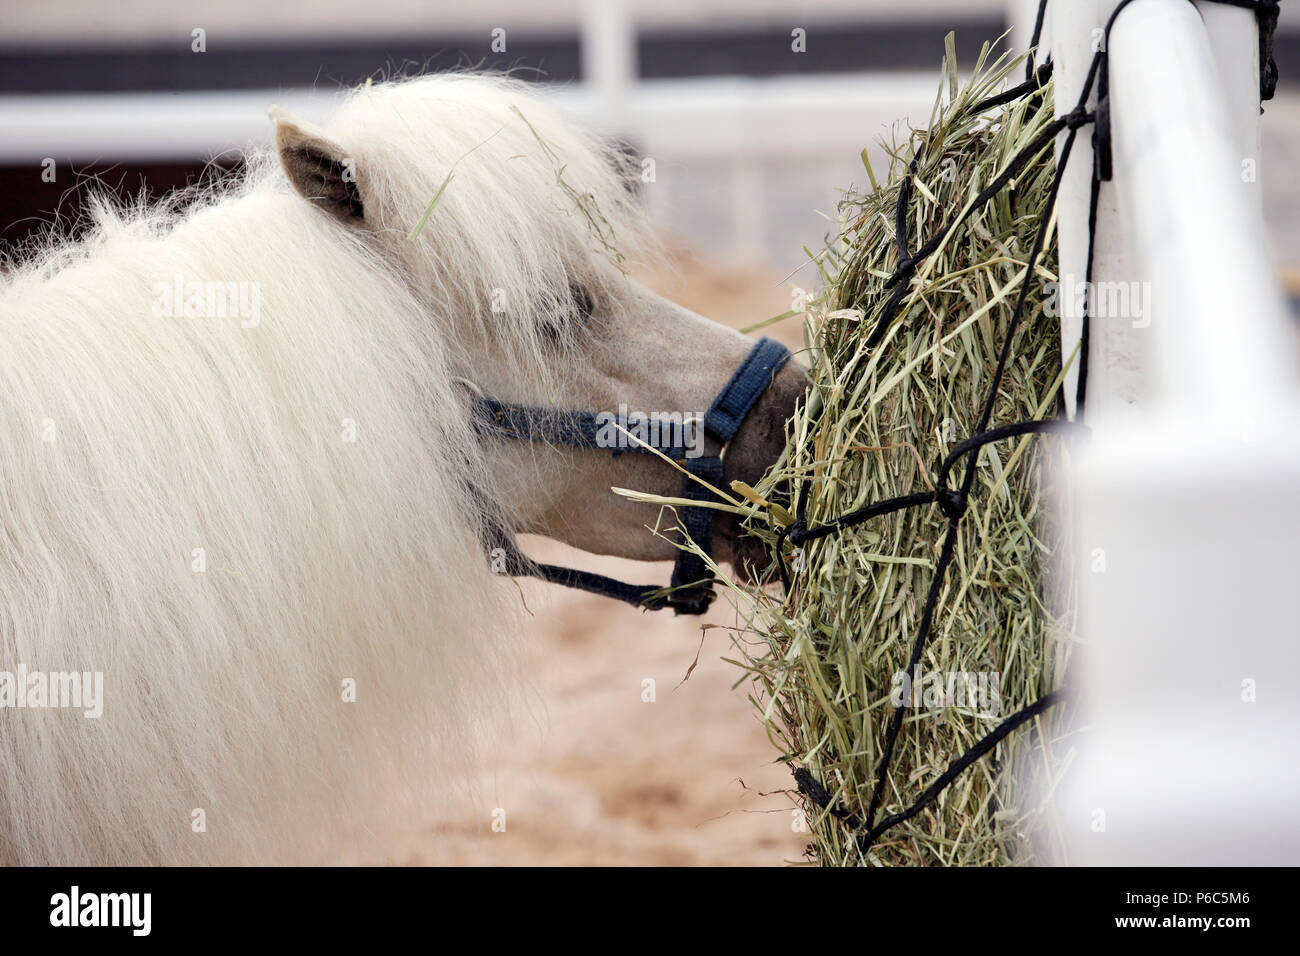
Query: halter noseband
[691, 590]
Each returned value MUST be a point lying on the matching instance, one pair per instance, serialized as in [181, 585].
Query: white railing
[1188, 493]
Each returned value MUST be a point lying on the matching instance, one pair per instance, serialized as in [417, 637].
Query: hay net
[935, 323]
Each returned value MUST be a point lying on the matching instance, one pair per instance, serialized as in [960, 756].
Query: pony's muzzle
[755, 448]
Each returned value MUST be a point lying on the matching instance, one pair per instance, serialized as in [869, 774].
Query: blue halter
[691, 590]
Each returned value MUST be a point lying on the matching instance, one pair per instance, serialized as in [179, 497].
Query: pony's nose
[756, 447]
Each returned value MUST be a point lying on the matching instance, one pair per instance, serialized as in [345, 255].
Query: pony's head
[512, 228]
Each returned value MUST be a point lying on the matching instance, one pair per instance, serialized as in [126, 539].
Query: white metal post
[609, 62]
[1218, 322]
[1187, 504]
[1234, 37]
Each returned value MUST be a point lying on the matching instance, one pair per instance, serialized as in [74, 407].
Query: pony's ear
[318, 167]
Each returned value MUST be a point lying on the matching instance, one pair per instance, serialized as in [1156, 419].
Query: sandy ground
[602, 776]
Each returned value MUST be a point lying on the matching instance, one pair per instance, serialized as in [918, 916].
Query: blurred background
[751, 141]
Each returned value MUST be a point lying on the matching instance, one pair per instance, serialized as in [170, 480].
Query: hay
[877, 422]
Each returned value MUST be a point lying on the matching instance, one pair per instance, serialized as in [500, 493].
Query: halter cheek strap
[691, 589]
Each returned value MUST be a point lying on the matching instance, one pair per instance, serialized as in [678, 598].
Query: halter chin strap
[691, 590]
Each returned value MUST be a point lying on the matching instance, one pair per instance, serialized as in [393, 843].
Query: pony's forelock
[528, 205]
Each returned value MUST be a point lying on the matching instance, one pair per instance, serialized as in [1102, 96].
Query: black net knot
[951, 503]
[1079, 116]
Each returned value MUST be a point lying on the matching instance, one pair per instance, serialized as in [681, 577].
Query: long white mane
[237, 522]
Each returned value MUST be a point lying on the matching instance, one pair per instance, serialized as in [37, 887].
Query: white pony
[239, 478]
